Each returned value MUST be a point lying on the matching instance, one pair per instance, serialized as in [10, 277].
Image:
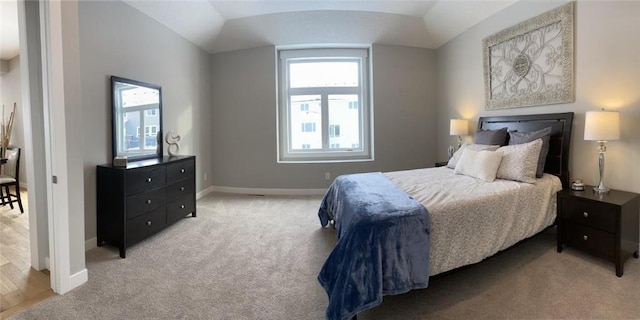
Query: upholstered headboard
[559, 143]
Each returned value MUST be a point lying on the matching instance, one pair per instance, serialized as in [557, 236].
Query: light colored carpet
[252, 257]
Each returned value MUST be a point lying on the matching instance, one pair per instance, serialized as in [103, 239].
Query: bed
[396, 229]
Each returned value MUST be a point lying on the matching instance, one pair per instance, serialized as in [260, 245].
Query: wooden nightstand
[604, 225]
[441, 163]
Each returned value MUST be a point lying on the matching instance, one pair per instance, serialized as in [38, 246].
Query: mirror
[136, 119]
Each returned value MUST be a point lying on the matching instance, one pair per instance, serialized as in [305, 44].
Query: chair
[11, 177]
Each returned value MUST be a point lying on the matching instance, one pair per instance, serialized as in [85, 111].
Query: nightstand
[604, 225]
[441, 163]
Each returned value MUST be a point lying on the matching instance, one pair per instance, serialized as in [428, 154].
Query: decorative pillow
[524, 137]
[482, 164]
[477, 147]
[491, 137]
[520, 161]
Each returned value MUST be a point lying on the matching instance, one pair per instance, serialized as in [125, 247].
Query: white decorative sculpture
[172, 140]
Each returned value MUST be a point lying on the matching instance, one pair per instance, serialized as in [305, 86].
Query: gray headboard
[559, 144]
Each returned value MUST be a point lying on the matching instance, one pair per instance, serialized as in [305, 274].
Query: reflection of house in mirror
[140, 110]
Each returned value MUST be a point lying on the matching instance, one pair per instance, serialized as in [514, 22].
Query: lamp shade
[458, 127]
[602, 126]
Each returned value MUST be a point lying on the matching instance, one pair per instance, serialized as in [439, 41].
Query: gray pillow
[491, 137]
[525, 137]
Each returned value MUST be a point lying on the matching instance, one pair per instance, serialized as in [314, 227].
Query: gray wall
[606, 75]
[244, 103]
[10, 92]
[116, 39]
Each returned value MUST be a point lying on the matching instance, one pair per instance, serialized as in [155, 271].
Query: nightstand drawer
[593, 214]
[598, 241]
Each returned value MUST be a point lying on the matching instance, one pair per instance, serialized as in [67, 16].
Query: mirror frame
[116, 111]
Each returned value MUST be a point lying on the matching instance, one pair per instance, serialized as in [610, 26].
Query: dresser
[141, 199]
[604, 225]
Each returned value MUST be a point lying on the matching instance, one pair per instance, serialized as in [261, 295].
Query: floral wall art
[531, 63]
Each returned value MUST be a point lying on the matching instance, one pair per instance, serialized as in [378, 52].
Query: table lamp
[458, 127]
[602, 126]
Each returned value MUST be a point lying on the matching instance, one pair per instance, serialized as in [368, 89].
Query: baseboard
[204, 193]
[23, 185]
[78, 279]
[268, 191]
[90, 244]
[47, 263]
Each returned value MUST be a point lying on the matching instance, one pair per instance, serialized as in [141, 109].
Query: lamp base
[601, 190]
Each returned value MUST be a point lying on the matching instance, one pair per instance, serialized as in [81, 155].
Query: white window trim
[365, 106]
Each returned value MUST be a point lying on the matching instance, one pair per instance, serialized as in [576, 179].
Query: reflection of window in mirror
[136, 105]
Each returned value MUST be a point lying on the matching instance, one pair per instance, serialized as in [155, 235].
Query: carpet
[255, 257]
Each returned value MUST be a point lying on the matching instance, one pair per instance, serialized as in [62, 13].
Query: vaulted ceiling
[218, 26]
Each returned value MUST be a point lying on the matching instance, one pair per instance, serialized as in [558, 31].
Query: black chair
[11, 177]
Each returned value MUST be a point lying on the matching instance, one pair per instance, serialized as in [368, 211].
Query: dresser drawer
[598, 215]
[145, 225]
[144, 179]
[585, 237]
[181, 170]
[143, 202]
[180, 189]
[178, 209]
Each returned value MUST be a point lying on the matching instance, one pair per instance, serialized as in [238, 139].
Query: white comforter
[472, 219]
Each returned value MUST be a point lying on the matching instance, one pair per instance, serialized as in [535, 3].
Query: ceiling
[218, 26]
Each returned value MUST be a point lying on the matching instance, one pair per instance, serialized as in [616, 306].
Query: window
[309, 127]
[334, 131]
[325, 93]
[151, 112]
[150, 131]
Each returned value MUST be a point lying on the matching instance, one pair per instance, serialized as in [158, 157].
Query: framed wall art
[531, 63]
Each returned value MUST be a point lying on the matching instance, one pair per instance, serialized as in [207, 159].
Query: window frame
[287, 56]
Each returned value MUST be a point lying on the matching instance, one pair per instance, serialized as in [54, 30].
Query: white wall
[116, 39]
[244, 119]
[607, 73]
[10, 92]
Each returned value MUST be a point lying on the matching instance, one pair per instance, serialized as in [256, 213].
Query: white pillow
[477, 147]
[520, 161]
[482, 164]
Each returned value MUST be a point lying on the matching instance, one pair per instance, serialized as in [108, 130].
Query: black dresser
[139, 200]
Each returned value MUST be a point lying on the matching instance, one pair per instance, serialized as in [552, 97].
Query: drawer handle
[182, 170]
[182, 206]
[149, 180]
[585, 214]
[585, 238]
[181, 188]
[149, 222]
[148, 201]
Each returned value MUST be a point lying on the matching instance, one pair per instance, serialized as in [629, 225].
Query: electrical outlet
[327, 175]
[205, 176]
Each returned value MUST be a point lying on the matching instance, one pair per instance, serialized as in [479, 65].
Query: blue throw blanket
[383, 243]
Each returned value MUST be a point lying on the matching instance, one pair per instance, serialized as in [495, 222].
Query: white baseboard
[268, 191]
[204, 193]
[90, 244]
[47, 263]
[24, 185]
[78, 279]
